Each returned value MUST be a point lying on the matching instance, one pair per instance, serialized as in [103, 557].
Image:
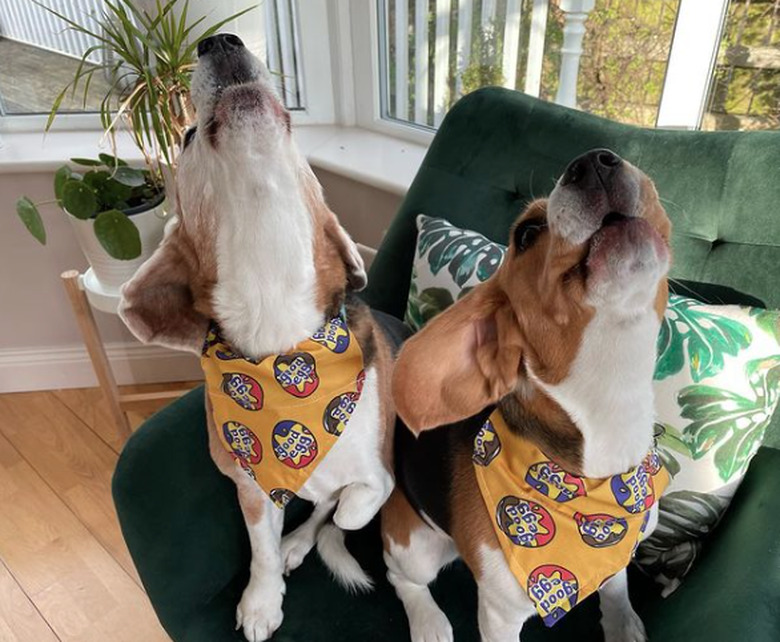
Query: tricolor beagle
[532, 400]
[254, 274]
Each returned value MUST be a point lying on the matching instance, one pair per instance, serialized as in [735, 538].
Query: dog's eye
[527, 232]
[188, 136]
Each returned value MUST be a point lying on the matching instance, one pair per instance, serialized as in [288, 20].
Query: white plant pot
[110, 272]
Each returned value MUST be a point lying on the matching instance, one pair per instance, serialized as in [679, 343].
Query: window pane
[39, 55]
[435, 51]
[745, 92]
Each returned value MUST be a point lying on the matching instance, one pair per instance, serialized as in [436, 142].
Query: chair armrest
[733, 591]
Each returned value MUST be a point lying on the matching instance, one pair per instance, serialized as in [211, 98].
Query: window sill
[379, 160]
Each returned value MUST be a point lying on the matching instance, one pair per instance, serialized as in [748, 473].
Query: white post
[402, 59]
[421, 62]
[511, 42]
[692, 58]
[575, 14]
[465, 8]
[533, 68]
[441, 69]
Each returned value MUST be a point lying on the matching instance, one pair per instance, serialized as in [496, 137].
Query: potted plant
[116, 211]
[148, 58]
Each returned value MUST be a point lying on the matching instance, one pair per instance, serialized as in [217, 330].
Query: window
[40, 54]
[745, 91]
[643, 62]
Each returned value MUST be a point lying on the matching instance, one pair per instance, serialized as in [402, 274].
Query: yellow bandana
[562, 535]
[280, 416]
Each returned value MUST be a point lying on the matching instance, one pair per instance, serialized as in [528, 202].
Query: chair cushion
[182, 524]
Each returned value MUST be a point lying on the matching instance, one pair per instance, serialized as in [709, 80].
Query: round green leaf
[129, 176]
[60, 178]
[111, 161]
[118, 235]
[79, 199]
[112, 194]
[86, 162]
[31, 218]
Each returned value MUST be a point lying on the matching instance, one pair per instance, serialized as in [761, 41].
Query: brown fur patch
[399, 519]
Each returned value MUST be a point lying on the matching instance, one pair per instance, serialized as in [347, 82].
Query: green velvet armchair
[495, 151]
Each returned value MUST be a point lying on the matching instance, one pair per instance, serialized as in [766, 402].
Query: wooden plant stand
[117, 402]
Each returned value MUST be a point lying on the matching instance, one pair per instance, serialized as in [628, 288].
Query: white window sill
[365, 156]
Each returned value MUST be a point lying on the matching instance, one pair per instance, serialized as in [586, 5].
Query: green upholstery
[495, 150]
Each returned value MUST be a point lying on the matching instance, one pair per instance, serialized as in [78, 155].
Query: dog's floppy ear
[464, 360]
[158, 305]
[337, 235]
[356, 269]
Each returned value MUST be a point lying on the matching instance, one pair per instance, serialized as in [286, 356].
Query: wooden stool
[117, 402]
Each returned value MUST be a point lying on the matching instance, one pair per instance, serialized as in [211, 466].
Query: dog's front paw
[627, 628]
[433, 627]
[260, 612]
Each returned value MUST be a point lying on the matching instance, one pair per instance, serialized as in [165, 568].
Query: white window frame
[364, 66]
[316, 74]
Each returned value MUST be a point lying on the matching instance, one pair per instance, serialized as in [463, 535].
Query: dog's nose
[221, 43]
[598, 165]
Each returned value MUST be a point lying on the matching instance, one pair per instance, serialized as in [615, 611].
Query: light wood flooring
[65, 573]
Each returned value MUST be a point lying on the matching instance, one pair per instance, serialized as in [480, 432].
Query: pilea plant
[106, 190]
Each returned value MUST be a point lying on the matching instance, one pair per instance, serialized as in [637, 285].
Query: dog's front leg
[618, 618]
[260, 609]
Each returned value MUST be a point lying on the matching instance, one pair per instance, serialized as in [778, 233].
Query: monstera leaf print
[767, 320]
[684, 519]
[463, 252]
[706, 336]
[425, 305]
[729, 422]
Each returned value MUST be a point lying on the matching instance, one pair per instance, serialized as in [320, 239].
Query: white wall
[40, 344]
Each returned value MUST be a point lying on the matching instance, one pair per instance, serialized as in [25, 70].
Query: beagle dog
[559, 348]
[254, 274]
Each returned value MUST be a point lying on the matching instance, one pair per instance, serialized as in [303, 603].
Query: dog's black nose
[222, 43]
[590, 167]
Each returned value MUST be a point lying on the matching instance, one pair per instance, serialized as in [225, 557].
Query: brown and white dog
[255, 248]
[562, 338]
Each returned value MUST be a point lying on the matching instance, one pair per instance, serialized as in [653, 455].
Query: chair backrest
[498, 149]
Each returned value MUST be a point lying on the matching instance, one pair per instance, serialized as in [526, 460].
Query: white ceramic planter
[110, 272]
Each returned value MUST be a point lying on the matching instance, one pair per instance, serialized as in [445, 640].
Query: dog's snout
[221, 43]
[591, 169]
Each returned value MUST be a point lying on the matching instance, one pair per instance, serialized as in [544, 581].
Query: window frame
[316, 72]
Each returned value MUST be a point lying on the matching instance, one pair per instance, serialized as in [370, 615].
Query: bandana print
[562, 535]
[279, 416]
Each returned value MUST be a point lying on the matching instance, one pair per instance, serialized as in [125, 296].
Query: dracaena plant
[149, 58]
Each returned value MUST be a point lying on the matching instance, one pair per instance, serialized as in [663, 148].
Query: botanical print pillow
[448, 262]
[717, 384]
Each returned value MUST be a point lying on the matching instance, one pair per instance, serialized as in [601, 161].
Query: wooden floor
[65, 573]
[31, 78]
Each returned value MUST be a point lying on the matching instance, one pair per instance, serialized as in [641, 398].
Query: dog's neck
[608, 395]
[265, 292]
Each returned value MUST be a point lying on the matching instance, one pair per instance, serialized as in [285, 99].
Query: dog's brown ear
[356, 269]
[337, 235]
[464, 360]
[158, 305]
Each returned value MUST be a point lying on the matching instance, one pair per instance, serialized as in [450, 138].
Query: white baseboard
[68, 366]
